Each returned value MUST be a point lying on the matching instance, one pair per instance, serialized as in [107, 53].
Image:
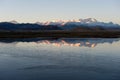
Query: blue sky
[48, 10]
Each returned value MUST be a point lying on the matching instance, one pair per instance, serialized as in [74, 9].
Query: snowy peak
[84, 22]
[89, 23]
[88, 20]
[14, 22]
[60, 22]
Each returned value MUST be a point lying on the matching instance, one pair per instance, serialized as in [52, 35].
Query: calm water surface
[60, 59]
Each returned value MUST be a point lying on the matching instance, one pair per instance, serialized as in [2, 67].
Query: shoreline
[59, 34]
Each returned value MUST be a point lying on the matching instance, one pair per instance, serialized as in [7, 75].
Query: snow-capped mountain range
[89, 22]
[81, 24]
[85, 22]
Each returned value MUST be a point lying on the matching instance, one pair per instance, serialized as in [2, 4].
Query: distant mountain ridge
[80, 25]
[26, 26]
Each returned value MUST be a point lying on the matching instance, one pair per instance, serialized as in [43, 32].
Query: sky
[49, 10]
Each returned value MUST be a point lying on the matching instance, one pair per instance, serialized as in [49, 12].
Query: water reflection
[75, 42]
[72, 59]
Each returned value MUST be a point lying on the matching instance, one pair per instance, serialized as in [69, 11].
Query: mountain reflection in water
[72, 59]
[75, 42]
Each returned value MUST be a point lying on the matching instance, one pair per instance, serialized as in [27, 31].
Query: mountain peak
[88, 20]
[14, 22]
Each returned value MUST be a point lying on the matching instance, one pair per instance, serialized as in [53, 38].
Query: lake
[60, 59]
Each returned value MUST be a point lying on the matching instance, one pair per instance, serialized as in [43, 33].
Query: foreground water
[60, 59]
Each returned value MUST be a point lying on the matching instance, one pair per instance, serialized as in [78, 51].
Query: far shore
[60, 34]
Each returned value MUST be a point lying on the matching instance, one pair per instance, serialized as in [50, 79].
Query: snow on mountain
[71, 22]
[89, 22]
[52, 23]
[14, 22]
[80, 24]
